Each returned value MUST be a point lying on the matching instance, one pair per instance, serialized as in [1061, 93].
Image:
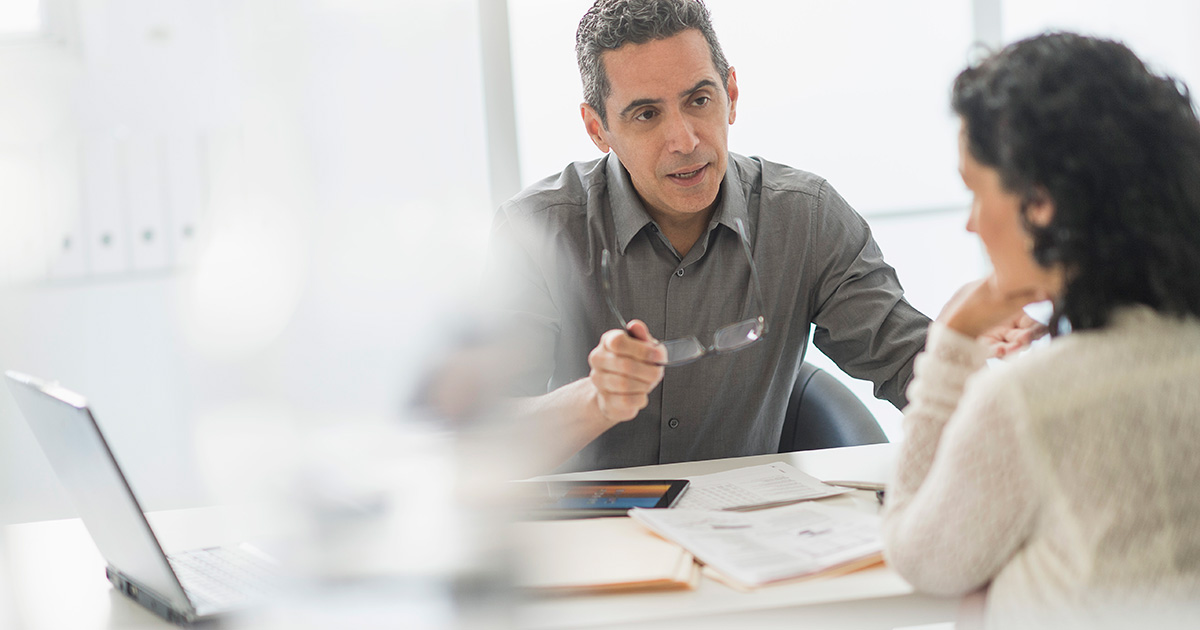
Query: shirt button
[653, 228]
[679, 272]
[673, 423]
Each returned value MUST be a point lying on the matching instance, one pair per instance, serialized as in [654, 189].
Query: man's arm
[623, 366]
[863, 321]
[624, 370]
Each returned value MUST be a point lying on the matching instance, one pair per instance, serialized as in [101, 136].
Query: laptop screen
[75, 447]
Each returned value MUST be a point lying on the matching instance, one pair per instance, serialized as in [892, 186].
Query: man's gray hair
[610, 24]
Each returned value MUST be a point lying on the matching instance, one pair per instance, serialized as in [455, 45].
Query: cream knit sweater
[1068, 479]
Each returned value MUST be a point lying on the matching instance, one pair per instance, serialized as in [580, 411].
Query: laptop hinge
[148, 598]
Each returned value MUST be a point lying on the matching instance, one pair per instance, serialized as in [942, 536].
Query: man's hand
[980, 310]
[625, 369]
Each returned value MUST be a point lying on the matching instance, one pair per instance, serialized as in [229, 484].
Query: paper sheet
[754, 487]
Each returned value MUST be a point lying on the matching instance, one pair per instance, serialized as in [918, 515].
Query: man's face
[668, 122]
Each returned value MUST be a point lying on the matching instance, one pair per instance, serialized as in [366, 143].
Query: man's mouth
[688, 175]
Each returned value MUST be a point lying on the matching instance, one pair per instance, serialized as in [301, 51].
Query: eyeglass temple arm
[757, 288]
[607, 286]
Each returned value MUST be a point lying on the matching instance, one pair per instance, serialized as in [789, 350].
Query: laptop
[183, 587]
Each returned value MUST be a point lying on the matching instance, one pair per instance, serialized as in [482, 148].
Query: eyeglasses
[730, 338]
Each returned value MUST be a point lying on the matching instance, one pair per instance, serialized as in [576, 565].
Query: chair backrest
[823, 413]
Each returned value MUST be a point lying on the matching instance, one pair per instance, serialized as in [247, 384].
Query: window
[1160, 32]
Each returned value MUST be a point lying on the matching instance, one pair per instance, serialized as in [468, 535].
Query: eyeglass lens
[737, 335]
[728, 338]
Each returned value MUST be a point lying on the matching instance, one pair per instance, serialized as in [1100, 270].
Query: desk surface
[872, 598]
[46, 564]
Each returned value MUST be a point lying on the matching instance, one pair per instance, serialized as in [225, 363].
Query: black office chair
[822, 413]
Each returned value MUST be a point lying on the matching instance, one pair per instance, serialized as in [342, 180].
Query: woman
[1069, 479]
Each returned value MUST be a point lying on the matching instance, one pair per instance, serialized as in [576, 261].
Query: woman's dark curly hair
[1117, 149]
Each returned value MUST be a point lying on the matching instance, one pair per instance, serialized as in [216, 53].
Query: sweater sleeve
[963, 500]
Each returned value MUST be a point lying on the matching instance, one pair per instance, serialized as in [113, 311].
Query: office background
[216, 213]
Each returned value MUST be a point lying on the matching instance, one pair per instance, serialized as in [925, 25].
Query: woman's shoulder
[1138, 346]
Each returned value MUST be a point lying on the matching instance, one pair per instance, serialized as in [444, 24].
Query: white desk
[874, 598]
[55, 575]
[49, 563]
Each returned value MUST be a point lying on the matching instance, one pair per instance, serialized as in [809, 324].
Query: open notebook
[751, 549]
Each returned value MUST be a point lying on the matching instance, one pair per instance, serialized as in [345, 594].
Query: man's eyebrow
[703, 83]
[638, 103]
[695, 88]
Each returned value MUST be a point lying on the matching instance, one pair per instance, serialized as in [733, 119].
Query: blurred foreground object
[387, 522]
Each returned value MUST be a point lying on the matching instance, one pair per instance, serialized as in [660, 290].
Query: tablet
[587, 499]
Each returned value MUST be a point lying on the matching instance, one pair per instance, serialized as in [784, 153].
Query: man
[667, 206]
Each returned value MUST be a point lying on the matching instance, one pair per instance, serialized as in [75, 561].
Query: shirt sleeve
[862, 320]
[963, 500]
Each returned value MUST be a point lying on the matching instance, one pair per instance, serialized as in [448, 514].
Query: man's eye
[702, 101]
[646, 115]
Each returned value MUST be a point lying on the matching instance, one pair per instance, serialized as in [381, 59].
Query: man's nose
[681, 134]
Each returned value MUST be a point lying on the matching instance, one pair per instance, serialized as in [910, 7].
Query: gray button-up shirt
[817, 263]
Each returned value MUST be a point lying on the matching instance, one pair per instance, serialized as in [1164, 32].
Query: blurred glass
[20, 17]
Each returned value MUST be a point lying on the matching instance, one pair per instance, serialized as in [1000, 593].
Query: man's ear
[595, 127]
[1040, 209]
[731, 89]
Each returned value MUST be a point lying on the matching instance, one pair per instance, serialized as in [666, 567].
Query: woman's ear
[1039, 208]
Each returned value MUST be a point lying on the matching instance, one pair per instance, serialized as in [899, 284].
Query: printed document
[761, 547]
[754, 487]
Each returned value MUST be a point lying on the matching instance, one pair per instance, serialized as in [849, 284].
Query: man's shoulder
[760, 174]
[564, 191]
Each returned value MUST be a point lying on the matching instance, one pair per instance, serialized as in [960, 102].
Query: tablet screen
[574, 499]
[608, 495]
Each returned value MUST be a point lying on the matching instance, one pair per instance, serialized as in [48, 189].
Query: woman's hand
[1013, 335]
[979, 307]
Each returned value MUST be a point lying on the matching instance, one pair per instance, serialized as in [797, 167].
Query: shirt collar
[731, 201]
[630, 216]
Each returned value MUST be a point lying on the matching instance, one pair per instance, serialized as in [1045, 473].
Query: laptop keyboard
[223, 578]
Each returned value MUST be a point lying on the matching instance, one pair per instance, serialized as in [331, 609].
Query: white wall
[1161, 32]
